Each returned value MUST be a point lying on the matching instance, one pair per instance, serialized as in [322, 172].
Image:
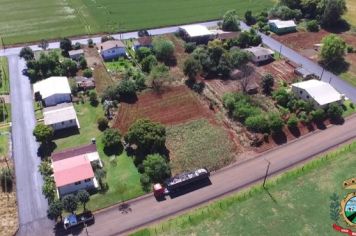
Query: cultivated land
[298, 204]
[351, 12]
[173, 106]
[24, 21]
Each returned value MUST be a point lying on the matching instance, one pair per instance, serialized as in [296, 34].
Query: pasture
[24, 21]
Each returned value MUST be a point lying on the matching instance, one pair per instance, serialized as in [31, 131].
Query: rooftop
[75, 52]
[322, 92]
[52, 85]
[260, 51]
[283, 23]
[111, 44]
[59, 113]
[144, 41]
[71, 170]
[90, 148]
[196, 30]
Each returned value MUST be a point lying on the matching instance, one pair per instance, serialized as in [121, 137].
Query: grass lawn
[24, 21]
[350, 109]
[198, 144]
[122, 176]
[4, 70]
[351, 12]
[301, 205]
[7, 114]
[349, 77]
[4, 144]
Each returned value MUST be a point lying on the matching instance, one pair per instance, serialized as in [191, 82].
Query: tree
[93, 98]
[88, 73]
[231, 21]
[83, 63]
[76, 46]
[100, 175]
[83, 197]
[334, 111]
[267, 84]
[69, 67]
[45, 169]
[163, 49]
[142, 53]
[275, 122]
[312, 26]
[191, 68]
[27, 53]
[111, 138]
[333, 11]
[55, 210]
[281, 96]
[318, 114]
[285, 13]
[250, 19]
[90, 43]
[333, 49]
[292, 121]
[148, 136]
[70, 203]
[190, 47]
[334, 207]
[148, 63]
[43, 44]
[159, 76]
[43, 133]
[66, 45]
[156, 168]
[49, 188]
[127, 88]
[257, 123]
[239, 58]
[6, 180]
[102, 123]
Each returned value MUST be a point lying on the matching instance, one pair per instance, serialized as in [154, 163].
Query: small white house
[61, 116]
[260, 54]
[73, 174]
[76, 54]
[112, 49]
[53, 91]
[195, 33]
[282, 26]
[318, 92]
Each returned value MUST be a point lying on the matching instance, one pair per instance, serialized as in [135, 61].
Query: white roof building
[260, 54]
[61, 116]
[282, 23]
[321, 93]
[52, 85]
[196, 30]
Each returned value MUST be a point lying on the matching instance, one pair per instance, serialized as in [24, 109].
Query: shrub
[281, 96]
[156, 168]
[88, 73]
[303, 117]
[275, 122]
[292, 121]
[93, 98]
[350, 49]
[102, 123]
[90, 43]
[163, 49]
[190, 47]
[352, 105]
[43, 133]
[231, 21]
[142, 53]
[111, 138]
[77, 46]
[6, 179]
[148, 63]
[257, 123]
[312, 26]
[318, 114]
[191, 68]
[267, 84]
[45, 168]
[334, 111]
[83, 63]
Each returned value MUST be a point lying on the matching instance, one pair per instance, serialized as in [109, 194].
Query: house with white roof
[61, 116]
[52, 91]
[320, 93]
[260, 54]
[195, 33]
[282, 26]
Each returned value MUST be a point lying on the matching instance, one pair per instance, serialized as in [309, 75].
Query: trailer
[179, 181]
[74, 220]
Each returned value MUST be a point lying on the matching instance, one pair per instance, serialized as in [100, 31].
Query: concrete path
[31, 203]
[146, 210]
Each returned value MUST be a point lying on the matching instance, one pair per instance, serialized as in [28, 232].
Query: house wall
[302, 94]
[70, 188]
[65, 124]
[57, 99]
[277, 30]
[76, 56]
[113, 53]
[260, 58]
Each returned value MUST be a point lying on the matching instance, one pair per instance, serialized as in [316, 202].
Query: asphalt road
[146, 210]
[32, 205]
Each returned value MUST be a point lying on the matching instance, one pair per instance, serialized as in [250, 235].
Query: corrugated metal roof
[52, 85]
[59, 113]
[196, 30]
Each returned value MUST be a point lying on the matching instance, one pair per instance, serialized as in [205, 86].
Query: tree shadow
[337, 67]
[294, 131]
[64, 133]
[124, 208]
[130, 99]
[171, 62]
[339, 27]
[320, 125]
[310, 127]
[45, 149]
[337, 121]
[279, 137]
[116, 150]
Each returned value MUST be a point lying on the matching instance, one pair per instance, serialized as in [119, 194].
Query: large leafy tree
[70, 203]
[49, 188]
[43, 133]
[66, 45]
[332, 11]
[275, 122]
[156, 168]
[111, 138]
[83, 197]
[55, 210]
[231, 21]
[150, 137]
[267, 84]
[333, 49]
[191, 68]
[27, 53]
[163, 49]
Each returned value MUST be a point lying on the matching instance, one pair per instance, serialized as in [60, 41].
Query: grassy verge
[349, 108]
[188, 146]
[349, 77]
[4, 68]
[297, 203]
[4, 144]
[5, 115]
[38, 111]
[122, 176]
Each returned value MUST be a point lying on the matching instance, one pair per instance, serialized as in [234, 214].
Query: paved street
[31, 203]
[147, 210]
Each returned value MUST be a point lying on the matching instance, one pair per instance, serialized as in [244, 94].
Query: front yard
[4, 70]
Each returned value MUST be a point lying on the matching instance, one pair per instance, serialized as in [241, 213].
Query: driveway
[146, 210]
[32, 205]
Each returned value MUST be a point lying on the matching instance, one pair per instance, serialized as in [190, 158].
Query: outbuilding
[112, 49]
[76, 54]
[145, 41]
[52, 91]
[319, 93]
[260, 54]
[195, 33]
[282, 26]
[61, 116]
[85, 83]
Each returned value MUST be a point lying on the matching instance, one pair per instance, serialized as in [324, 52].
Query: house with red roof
[73, 171]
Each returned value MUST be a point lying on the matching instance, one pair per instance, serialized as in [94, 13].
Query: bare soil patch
[280, 69]
[173, 106]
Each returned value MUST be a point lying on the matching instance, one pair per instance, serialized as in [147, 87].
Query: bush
[88, 73]
[145, 182]
[93, 98]
[142, 53]
[312, 26]
[45, 169]
[257, 123]
[82, 63]
[90, 43]
[6, 179]
[156, 168]
[275, 122]
[292, 121]
[334, 111]
[191, 68]
[303, 117]
[77, 46]
[103, 123]
[231, 21]
[318, 114]
[267, 84]
[148, 63]
[163, 49]
[281, 96]
[350, 49]
[352, 105]
[43, 133]
[111, 138]
[190, 47]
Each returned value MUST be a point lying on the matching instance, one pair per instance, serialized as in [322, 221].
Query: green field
[298, 204]
[23, 20]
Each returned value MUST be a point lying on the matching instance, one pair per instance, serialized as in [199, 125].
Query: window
[258, 57]
[301, 92]
[77, 183]
[71, 121]
[307, 96]
[87, 180]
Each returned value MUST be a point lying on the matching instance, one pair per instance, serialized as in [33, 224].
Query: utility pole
[264, 180]
[280, 51]
[321, 76]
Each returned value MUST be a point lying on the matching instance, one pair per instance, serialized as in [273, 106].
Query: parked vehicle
[179, 181]
[74, 220]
